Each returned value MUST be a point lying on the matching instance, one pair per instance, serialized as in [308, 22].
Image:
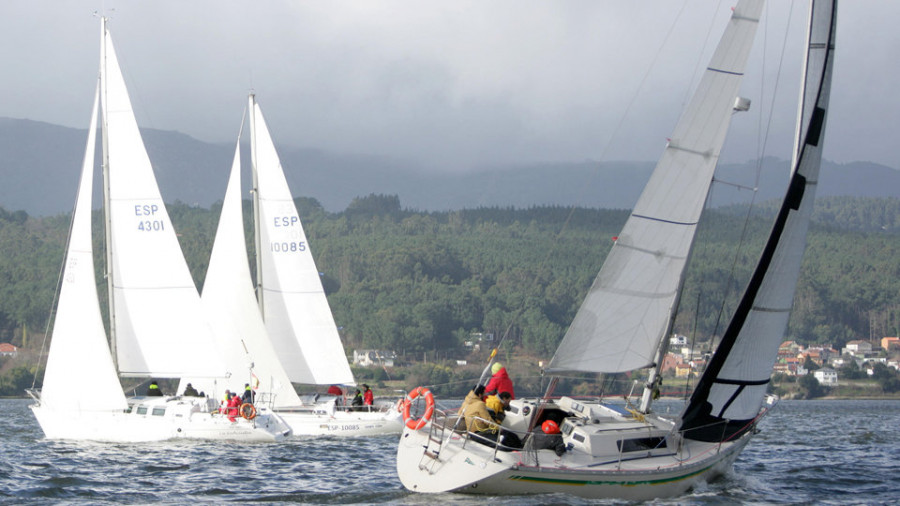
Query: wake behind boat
[153, 303]
[604, 451]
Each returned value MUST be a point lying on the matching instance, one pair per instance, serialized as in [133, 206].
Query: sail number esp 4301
[149, 211]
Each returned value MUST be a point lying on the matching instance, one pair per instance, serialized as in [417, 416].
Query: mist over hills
[40, 162]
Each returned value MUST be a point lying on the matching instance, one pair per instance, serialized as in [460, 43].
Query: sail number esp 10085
[287, 246]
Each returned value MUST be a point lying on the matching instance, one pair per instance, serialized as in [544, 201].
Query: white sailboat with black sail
[604, 451]
[155, 320]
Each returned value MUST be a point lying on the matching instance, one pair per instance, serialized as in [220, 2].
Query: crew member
[249, 395]
[498, 404]
[234, 403]
[484, 427]
[357, 401]
[547, 437]
[153, 390]
[500, 381]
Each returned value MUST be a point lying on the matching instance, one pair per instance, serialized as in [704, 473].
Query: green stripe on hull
[609, 483]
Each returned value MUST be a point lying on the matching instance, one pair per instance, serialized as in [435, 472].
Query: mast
[652, 385]
[107, 218]
[256, 226]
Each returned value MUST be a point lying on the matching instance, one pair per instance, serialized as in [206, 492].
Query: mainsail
[157, 324]
[731, 390]
[294, 306]
[78, 347]
[230, 304]
[629, 308]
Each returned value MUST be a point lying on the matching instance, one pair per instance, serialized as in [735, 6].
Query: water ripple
[808, 452]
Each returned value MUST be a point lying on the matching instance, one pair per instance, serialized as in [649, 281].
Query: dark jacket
[543, 441]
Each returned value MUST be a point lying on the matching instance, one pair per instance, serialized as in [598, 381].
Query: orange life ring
[248, 411]
[418, 423]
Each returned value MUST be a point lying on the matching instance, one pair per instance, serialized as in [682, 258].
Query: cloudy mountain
[39, 165]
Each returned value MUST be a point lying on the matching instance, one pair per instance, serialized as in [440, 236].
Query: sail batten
[628, 309]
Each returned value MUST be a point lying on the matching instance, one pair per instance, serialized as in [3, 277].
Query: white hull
[180, 420]
[476, 470]
[605, 452]
[328, 421]
[432, 460]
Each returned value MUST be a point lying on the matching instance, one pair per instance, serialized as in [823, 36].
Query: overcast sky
[449, 85]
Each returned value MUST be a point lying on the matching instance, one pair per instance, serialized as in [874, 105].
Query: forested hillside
[423, 281]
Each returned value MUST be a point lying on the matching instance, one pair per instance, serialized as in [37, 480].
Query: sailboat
[230, 305]
[286, 331]
[631, 452]
[156, 323]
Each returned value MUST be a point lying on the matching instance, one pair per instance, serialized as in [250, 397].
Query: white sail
[628, 309]
[295, 308]
[78, 347]
[605, 452]
[733, 386]
[230, 304]
[82, 398]
[158, 325]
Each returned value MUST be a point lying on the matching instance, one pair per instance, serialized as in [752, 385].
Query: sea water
[807, 452]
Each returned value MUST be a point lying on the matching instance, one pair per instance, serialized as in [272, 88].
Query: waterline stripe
[558, 481]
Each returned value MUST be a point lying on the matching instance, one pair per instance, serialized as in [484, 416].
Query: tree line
[424, 282]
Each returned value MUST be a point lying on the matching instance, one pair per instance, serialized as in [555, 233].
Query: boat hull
[468, 467]
[633, 485]
[336, 422]
[174, 420]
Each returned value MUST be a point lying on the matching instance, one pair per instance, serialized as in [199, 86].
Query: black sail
[730, 393]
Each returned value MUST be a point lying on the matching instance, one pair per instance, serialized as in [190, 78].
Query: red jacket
[368, 398]
[233, 404]
[500, 381]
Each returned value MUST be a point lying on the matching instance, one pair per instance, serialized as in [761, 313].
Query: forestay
[295, 309]
[158, 324]
[628, 308]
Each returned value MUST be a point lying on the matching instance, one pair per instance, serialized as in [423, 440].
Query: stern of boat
[436, 458]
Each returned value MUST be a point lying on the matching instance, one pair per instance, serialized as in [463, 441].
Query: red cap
[550, 427]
